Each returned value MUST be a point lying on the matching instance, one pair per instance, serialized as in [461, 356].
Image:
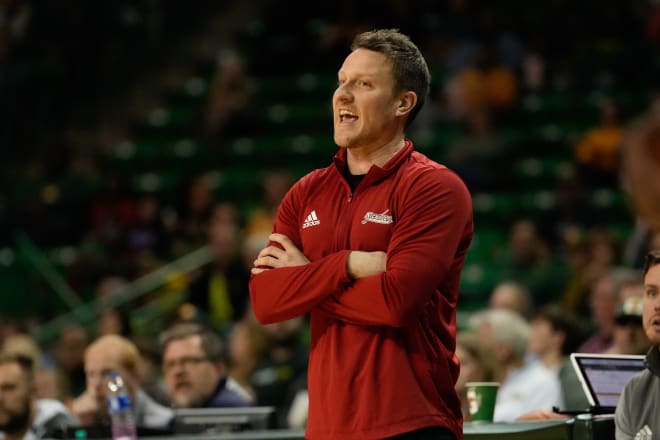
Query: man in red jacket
[372, 247]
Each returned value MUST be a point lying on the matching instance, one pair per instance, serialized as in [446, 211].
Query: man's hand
[272, 257]
[86, 409]
[363, 264]
[541, 414]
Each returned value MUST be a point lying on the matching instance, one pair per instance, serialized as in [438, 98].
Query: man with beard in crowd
[22, 416]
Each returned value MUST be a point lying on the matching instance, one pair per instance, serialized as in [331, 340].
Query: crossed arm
[359, 264]
[370, 288]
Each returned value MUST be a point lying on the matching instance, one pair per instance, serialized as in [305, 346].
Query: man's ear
[407, 101]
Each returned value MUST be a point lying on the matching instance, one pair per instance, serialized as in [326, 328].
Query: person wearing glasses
[194, 369]
[116, 353]
[637, 411]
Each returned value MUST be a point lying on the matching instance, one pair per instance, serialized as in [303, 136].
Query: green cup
[481, 398]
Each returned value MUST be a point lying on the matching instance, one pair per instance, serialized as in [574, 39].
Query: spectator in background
[486, 82]
[554, 335]
[147, 235]
[604, 301]
[22, 415]
[47, 381]
[598, 151]
[227, 112]
[477, 365]
[474, 153]
[248, 344]
[116, 353]
[528, 261]
[112, 212]
[522, 385]
[196, 371]
[112, 320]
[513, 296]
[193, 215]
[275, 184]
[259, 222]
[220, 293]
[592, 254]
[628, 336]
[69, 358]
[283, 364]
[573, 211]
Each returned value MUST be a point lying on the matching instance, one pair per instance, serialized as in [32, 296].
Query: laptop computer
[603, 377]
[219, 420]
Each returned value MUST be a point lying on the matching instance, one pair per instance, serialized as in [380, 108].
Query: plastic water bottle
[122, 420]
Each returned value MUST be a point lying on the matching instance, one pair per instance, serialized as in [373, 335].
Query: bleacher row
[291, 125]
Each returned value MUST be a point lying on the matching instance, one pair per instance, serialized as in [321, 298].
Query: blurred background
[145, 145]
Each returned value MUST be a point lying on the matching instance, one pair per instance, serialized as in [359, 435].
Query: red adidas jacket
[382, 348]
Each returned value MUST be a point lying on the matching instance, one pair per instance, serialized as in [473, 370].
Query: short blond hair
[129, 356]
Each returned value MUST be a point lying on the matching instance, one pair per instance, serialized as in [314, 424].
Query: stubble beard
[17, 422]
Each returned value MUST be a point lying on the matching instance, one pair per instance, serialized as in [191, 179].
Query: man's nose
[343, 93]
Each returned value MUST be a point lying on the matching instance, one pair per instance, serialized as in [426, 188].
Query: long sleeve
[287, 292]
[284, 293]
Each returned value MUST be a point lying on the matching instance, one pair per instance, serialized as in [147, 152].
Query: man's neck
[552, 359]
[361, 159]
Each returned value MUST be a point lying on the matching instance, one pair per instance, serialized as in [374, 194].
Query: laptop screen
[603, 376]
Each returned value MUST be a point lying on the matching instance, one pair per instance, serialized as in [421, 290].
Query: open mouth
[655, 322]
[347, 116]
[182, 385]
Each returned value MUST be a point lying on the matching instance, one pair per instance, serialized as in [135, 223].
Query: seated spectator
[476, 366]
[628, 334]
[522, 385]
[529, 261]
[598, 251]
[512, 296]
[47, 382]
[487, 82]
[116, 353]
[637, 412]
[248, 344]
[195, 369]
[285, 362]
[598, 151]
[227, 111]
[69, 358]
[604, 303]
[220, 292]
[554, 335]
[22, 415]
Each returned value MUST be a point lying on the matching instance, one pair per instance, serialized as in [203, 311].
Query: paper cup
[481, 398]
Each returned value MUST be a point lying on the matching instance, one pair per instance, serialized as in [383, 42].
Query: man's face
[541, 336]
[603, 302]
[630, 338]
[364, 103]
[651, 310]
[99, 362]
[15, 398]
[190, 376]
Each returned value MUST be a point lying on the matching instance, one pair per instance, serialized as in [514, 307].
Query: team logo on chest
[311, 220]
[382, 219]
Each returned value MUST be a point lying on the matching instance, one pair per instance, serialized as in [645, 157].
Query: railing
[85, 313]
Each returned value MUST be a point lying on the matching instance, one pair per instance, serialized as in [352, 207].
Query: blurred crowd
[565, 280]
